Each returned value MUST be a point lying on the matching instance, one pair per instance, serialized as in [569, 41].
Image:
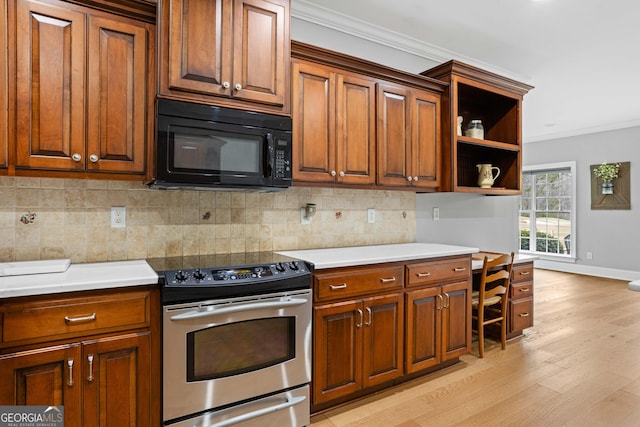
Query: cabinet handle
[441, 302]
[446, 304]
[333, 173]
[94, 158]
[523, 314]
[524, 290]
[387, 280]
[369, 316]
[76, 157]
[341, 173]
[423, 274]
[341, 286]
[459, 269]
[238, 86]
[70, 364]
[68, 319]
[90, 359]
[226, 85]
[409, 178]
[524, 273]
[415, 178]
[359, 325]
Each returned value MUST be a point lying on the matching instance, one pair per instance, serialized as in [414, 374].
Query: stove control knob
[198, 274]
[294, 265]
[181, 276]
[280, 267]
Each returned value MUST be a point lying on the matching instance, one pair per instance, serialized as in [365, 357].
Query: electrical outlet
[118, 216]
[371, 215]
[589, 255]
[436, 214]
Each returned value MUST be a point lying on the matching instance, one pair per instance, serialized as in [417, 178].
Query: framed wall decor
[619, 197]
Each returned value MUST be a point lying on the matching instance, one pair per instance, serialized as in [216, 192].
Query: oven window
[240, 347]
[217, 152]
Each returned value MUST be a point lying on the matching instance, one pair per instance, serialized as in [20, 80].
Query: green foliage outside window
[544, 242]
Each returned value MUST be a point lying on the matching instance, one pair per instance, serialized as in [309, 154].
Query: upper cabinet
[361, 124]
[496, 101]
[4, 101]
[234, 53]
[334, 120]
[82, 87]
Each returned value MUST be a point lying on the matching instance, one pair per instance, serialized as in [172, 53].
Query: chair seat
[475, 297]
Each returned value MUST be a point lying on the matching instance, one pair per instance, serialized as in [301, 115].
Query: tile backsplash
[42, 218]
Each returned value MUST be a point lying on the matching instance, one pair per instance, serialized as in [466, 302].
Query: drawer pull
[423, 274]
[90, 359]
[459, 269]
[524, 273]
[387, 280]
[90, 317]
[524, 290]
[523, 314]
[342, 286]
[70, 364]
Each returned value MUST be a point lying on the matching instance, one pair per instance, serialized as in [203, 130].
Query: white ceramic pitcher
[486, 178]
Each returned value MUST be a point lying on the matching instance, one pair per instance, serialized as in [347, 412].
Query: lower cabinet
[357, 344]
[520, 313]
[101, 379]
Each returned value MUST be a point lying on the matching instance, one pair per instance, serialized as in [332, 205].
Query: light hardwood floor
[579, 365]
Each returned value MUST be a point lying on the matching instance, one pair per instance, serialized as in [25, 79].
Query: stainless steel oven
[236, 345]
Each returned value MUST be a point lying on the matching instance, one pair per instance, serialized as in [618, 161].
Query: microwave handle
[268, 156]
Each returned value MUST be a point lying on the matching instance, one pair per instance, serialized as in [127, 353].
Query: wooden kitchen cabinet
[438, 312]
[84, 95]
[233, 53]
[408, 124]
[334, 125]
[86, 351]
[520, 310]
[4, 96]
[357, 344]
[475, 94]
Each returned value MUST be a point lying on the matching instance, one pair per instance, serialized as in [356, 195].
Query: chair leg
[480, 339]
[503, 334]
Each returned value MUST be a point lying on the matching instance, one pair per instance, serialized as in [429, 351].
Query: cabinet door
[456, 319]
[261, 51]
[337, 350]
[44, 377]
[116, 378]
[425, 144]
[423, 335]
[356, 133]
[50, 86]
[313, 123]
[198, 43]
[4, 101]
[394, 130]
[383, 339]
[117, 96]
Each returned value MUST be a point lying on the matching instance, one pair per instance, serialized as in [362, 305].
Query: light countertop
[376, 254]
[80, 277]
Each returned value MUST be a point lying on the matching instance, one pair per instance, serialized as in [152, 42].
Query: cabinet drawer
[521, 290]
[357, 281]
[47, 319]
[522, 273]
[521, 314]
[431, 272]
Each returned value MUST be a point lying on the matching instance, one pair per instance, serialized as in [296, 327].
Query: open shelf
[470, 155]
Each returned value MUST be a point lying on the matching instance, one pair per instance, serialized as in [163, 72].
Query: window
[547, 213]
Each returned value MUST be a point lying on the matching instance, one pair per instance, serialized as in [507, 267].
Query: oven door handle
[197, 314]
[260, 412]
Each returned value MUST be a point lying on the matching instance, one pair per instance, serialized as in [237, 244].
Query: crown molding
[305, 10]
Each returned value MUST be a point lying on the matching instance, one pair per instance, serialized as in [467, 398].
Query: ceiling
[582, 56]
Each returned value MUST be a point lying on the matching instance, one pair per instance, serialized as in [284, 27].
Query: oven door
[221, 352]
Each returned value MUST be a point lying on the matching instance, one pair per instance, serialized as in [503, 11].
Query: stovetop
[197, 278]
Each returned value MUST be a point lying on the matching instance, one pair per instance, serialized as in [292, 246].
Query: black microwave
[208, 147]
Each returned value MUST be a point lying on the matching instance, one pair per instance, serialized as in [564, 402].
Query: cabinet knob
[76, 157]
[341, 173]
[409, 179]
[415, 178]
[94, 158]
[333, 173]
[238, 86]
[226, 85]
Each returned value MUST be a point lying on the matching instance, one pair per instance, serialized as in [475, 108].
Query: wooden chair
[489, 302]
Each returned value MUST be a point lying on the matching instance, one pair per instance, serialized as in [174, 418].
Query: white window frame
[574, 237]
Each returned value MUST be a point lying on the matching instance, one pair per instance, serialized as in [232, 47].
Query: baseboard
[610, 273]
